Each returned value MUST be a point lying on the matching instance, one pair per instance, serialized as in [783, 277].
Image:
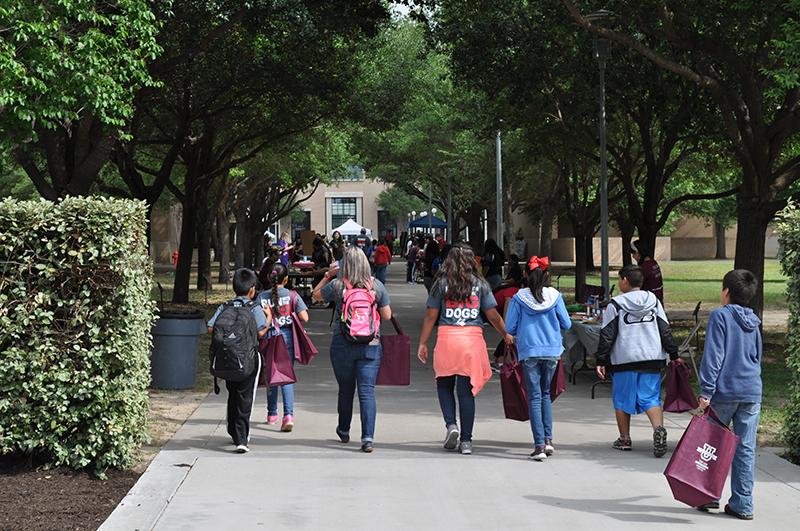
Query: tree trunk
[223, 246]
[589, 256]
[546, 237]
[580, 263]
[204, 258]
[719, 232]
[183, 270]
[751, 237]
[205, 223]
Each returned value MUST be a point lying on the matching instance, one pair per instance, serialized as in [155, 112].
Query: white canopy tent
[349, 228]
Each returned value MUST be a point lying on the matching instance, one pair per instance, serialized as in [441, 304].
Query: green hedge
[789, 240]
[75, 320]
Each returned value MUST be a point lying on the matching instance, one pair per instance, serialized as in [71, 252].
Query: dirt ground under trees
[61, 499]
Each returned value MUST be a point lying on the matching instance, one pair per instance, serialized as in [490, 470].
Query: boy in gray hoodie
[730, 381]
[634, 343]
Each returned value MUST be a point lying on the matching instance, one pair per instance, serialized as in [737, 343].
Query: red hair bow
[535, 262]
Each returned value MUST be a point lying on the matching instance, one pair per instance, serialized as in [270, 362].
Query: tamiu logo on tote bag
[707, 453]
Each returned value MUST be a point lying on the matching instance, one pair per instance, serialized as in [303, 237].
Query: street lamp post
[499, 192]
[601, 53]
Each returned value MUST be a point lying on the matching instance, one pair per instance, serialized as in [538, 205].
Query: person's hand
[703, 401]
[601, 372]
[333, 269]
[509, 339]
[422, 353]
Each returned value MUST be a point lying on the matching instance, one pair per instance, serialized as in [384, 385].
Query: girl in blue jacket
[536, 315]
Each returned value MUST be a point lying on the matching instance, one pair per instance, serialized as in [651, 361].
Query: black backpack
[234, 342]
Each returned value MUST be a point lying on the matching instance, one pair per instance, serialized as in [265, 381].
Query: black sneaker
[538, 454]
[622, 444]
[710, 505]
[731, 512]
[659, 441]
[548, 447]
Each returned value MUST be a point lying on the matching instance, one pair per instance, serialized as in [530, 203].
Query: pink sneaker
[288, 423]
[272, 419]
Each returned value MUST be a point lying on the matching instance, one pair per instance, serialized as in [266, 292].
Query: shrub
[789, 240]
[75, 320]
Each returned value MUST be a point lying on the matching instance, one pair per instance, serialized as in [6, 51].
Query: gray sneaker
[451, 438]
[659, 441]
[465, 447]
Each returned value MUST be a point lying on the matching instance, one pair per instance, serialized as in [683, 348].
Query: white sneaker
[242, 449]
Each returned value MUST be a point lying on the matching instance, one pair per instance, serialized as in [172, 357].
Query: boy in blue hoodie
[536, 315]
[730, 381]
[634, 343]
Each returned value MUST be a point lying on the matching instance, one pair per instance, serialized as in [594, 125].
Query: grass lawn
[685, 283]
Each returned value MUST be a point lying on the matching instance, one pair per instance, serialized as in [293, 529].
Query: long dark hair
[537, 279]
[276, 277]
[460, 274]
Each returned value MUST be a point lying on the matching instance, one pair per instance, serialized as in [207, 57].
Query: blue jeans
[356, 367]
[745, 417]
[538, 375]
[380, 272]
[466, 402]
[286, 390]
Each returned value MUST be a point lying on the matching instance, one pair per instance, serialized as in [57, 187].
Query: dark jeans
[466, 402]
[356, 367]
[380, 272]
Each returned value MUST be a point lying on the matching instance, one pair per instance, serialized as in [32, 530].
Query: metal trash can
[176, 341]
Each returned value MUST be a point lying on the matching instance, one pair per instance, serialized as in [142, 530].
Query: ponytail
[276, 278]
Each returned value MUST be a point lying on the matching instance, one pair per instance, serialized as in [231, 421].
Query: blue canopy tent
[422, 223]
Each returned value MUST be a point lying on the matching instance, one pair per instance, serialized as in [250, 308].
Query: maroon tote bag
[395, 366]
[700, 463]
[558, 385]
[512, 385]
[304, 349]
[680, 396]
[277, 363]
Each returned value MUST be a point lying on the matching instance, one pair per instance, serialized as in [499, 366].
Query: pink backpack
[360, 316]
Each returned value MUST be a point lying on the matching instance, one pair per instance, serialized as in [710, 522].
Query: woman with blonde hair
[458, 296]
[355, 365]
[285, 245]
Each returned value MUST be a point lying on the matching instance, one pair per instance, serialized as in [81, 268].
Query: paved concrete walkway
[307, 479]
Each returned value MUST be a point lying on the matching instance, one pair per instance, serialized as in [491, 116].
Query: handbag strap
[509, 351]
[397, 326]
[710, 413]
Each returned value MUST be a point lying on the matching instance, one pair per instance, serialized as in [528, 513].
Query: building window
[354, 173]
[342, 209]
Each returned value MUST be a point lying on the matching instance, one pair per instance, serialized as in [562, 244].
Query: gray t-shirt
[462, 313]
[284, 314]
[332, 291]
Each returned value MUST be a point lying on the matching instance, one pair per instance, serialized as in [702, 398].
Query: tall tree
[70, 70]
[725, 48]
[231, 91]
